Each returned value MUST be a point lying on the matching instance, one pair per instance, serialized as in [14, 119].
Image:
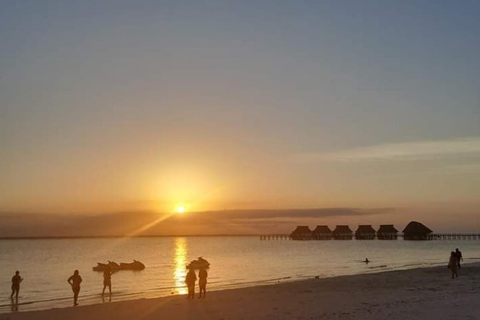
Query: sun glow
[180, 209]
[180, 261]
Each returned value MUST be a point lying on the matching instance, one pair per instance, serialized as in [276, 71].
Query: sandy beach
[426, 293]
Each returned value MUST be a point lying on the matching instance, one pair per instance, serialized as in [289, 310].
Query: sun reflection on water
[180, 272]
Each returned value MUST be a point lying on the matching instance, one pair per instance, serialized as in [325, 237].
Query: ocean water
[236, 262]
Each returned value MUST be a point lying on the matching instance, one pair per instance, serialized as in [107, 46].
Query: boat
[135, 265]
[113, 266]
[198, 264]
[103, 266]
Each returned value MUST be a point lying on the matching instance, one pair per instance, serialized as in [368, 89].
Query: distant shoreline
[136, 236]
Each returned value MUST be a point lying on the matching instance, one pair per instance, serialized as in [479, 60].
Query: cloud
[298, 213]
[400, 151]
[457, 169]
[145, 222]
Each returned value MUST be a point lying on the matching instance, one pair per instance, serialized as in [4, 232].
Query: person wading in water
[107, 280]
[75, 281]
[458, 253]
[16, 279]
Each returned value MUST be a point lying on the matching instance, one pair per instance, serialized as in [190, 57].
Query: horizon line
[136, 236]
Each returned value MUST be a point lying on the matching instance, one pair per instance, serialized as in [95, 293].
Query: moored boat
[113, 266]
[198, 264]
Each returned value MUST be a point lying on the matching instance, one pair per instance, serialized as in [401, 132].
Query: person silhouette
[16, 279]
[202, 282]
[458, 253]
[453, 264]
[107, 280]
[75, 281]
[190, 281]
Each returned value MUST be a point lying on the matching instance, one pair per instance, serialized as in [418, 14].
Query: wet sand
[411, 294]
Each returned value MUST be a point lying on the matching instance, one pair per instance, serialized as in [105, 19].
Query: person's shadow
[109, 298]
[14, 305]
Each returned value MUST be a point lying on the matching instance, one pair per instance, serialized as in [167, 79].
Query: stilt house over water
[416, 231]
[365, 232]
[301, 233]
[387, 232]
[342, 232]
[322, 233]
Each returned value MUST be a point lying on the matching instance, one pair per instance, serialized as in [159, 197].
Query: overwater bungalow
[322, 233]
[387, 232]
[301, 233]
[416, 231]
[365, 232]
[342, 232]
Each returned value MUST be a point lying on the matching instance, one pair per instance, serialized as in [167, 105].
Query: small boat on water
[113, 266]
[198, 264]
[135, 265]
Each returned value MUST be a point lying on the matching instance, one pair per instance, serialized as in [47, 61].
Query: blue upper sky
[227, 104]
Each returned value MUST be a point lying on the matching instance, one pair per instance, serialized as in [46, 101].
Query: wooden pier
[454, 236]
[275, 237]
[433, 236]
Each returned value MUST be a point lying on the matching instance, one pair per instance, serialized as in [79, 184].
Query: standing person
[459, 257]
[75, 281]
[190, 281]
[202, 282]
[107, 280]
[16, 279]
[452, 264]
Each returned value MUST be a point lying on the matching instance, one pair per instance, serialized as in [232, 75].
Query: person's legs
[13, 292]
[17, 290]
[76, 291]
[110, 288]
[104, 287]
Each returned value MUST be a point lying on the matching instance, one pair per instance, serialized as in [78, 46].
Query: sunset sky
[145, 106]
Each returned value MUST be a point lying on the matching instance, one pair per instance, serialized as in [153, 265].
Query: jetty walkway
[433, 236]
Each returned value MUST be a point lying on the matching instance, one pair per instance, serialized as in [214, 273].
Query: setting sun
[180, 209]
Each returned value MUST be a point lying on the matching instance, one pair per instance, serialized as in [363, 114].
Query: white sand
[411, 294]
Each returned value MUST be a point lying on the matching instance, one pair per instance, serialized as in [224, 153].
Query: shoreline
[392, 294]
[96, 299]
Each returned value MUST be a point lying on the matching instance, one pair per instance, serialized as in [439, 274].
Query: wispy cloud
[400, 151]
[457, 169]
[152, 223]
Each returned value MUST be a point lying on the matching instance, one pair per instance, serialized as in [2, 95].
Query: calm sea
[236, 262]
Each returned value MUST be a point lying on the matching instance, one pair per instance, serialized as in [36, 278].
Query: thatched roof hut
[322, 233]
[365, 232]
[416, 231]
[301, 233]
[342, 232]
[387, 232]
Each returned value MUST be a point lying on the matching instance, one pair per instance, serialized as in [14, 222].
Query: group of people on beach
[75, 280]
[454, 262]
[190, 280]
